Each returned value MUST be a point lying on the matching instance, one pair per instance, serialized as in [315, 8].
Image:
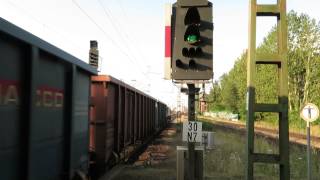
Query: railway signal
[192, 30]
[94, 54]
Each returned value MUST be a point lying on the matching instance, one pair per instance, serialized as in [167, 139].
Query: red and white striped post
[167, 60]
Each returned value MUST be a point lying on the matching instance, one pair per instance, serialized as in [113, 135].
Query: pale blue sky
[131, 33]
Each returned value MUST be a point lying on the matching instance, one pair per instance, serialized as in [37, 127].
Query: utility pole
[192, 91]
[179, 109]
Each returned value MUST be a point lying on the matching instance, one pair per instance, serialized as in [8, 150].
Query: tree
[303, 69]
[304, 50]
[214, 97]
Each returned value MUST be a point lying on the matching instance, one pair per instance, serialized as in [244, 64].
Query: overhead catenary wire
[127, 19]
[117, 27]
[107, 36]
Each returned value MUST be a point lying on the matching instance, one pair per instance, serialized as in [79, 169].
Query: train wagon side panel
[111, 119]
[48, 130]
[13, 65]
[41, 89]
[104, 119]
[80, 124]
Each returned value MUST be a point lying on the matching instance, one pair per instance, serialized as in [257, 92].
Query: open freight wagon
[122, 119]
[44, 109]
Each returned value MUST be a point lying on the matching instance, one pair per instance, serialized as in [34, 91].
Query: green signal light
[192, 39]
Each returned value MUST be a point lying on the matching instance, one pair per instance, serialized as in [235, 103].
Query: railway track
[294, 137]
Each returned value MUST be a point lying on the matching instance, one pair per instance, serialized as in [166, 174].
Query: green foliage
[303, 69]
[214, 98]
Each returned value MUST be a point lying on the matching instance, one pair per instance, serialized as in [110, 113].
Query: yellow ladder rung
[268, 10]
[268, 59]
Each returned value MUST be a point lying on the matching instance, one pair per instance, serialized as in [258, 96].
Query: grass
[227, 160]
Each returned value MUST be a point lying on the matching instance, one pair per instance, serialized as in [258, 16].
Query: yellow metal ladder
[280, 59]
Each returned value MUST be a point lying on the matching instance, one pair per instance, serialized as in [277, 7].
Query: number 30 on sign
[192, 131]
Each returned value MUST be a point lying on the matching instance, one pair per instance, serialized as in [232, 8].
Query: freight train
[59, 120]
[122, 119]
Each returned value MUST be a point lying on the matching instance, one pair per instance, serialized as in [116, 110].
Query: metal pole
[308, 151]
[191, 117]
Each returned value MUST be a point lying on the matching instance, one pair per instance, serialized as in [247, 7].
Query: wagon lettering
[49, 98]
[11, 95]
[8, 94]
[45, 97]
[58, 100]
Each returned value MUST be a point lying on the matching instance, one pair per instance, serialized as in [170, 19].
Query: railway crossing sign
[192, 131]
[309, 112]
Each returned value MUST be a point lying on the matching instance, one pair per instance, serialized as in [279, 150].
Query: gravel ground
[225, 162]
[158, 162]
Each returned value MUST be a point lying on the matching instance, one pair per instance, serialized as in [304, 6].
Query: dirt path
[158, 162]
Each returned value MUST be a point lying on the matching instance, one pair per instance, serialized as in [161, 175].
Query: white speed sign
[309, 112]
[192, 131]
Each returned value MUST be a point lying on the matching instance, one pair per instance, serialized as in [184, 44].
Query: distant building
[203, 106]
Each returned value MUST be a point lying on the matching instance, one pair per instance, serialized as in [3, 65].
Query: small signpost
[309, 113]
[192, 131]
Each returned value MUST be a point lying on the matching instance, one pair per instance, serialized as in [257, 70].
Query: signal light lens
[179, 63]
[199, 51]
[192, 34]
[192, 16]
[192, 64]
[192, 39]
[192, 52]
[94, 58]
[185, 52]
[188, 52]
